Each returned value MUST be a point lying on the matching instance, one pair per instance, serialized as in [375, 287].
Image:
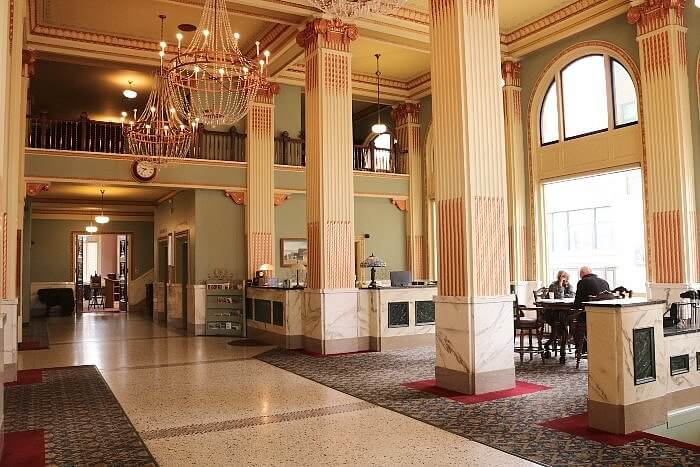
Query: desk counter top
[623, 303]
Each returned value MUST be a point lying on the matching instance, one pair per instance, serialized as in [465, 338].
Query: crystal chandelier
[159, 134]
[347, 9]
[213, 80]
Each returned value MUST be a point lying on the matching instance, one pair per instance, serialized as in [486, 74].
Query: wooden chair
[97, 299]
[523, 324]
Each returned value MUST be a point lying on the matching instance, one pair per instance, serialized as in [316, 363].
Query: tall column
[474, 312]
[670, 189]
[408, 134]
[516, 178]
[330, 317]
[260, 155]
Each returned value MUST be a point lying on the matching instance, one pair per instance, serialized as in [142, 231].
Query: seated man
[561, 288]
[589, 285]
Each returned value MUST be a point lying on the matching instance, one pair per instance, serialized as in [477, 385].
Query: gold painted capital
[238, 197]
[327, 33]
[401, 204]
[280, 198]
[651, 15]
[28, 60]
[33, 189]
[408, 112]
[267, 92]
[510, 70]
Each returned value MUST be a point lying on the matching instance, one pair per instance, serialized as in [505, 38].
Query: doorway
[182, 269]
[101, 265]
[597, 221]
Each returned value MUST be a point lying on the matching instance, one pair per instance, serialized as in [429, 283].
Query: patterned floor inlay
[226, 425]
[510, 424]
[81, 420]
[180, 364]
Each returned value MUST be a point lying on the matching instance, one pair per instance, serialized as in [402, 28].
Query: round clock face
[143, 171]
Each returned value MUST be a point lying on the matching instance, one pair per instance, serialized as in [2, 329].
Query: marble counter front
[637, 372]
[397, 317]
[274, 316]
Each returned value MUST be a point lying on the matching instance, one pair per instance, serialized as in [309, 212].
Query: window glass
[604, 232]
[550, 116]
[581, 229]
[624, 95]
[560, 232]
[585, 98]
[382, 152]
[90, 260]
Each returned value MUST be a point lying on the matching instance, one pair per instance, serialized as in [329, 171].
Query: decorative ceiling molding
[238, 197]
[33, 189]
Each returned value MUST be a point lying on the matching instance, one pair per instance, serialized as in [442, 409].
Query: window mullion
[610, 92]
[560, 105]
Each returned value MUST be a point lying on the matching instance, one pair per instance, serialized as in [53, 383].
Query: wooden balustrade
[289, 151]
[107, 137]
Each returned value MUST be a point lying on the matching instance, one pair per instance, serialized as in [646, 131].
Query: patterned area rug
[508, 424]
[81, 421]
[35, 335]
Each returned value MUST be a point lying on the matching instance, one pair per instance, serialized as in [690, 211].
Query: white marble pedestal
[8, 308]
[330, 322]
[474, 339]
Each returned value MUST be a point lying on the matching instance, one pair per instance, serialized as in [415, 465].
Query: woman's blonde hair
[562, 273]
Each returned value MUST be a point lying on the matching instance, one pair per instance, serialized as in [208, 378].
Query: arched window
[593, 93]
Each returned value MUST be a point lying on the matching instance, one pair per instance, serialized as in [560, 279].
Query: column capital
[510, 71]
[238, 197]
[28, 60]
[33, 189]
[406, 113]
[267, 92]
[652, 15]
[327, 33]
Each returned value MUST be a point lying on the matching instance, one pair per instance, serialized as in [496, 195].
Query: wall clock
[143, 171]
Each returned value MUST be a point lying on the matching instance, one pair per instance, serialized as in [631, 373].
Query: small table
[560, 309]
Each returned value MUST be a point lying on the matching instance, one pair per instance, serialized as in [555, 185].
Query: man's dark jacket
[589, 285]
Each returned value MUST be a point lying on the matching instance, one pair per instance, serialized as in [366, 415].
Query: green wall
[290, 222]
[220, 241]
[386, 226]
[172, 216]
[692, 20]
[51, 256]
[288, 110]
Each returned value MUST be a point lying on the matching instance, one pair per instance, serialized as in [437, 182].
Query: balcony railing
[106, 137]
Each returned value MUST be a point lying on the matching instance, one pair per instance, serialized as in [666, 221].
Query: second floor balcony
[226, 146]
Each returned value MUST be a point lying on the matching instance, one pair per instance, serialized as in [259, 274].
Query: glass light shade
[102, 219]
[378, 128]
[91, 228]
[373, 262]
[130, 93]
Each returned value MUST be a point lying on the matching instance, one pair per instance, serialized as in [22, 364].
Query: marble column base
[658, 291]
[8, 307]
[625, 419]
[330, 322]
[474, 340]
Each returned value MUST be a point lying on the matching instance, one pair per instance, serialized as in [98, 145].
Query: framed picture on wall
[293, 250]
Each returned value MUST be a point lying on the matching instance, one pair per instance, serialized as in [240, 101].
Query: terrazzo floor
[199, 401]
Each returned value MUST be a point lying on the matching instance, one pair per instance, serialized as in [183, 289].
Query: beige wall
[108, 254]
[173, 216]
[288, 110]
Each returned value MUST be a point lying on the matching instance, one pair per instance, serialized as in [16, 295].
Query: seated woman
[561, 288]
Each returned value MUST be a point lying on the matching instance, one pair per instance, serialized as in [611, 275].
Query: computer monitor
[400, 278]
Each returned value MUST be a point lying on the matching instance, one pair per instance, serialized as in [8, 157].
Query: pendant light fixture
[130, 93]
[91, 228]
[378, 128]
[102, 219]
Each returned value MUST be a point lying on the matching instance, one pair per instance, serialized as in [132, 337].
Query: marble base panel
[196, 329]
[625, 419]
[474, 343]
[330, 322]
[196, 309]
[8, 308]
[282, 341]
[159, 311]
[175, 309]
[177, 323]
[382, 344]
[683, 398]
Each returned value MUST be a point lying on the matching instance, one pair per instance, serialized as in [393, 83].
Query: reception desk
[387, 318]
[639, 373]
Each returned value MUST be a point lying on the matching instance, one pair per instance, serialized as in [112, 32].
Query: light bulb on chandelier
[212, 79]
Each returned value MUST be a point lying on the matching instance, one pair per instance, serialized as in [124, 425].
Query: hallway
[198, 400]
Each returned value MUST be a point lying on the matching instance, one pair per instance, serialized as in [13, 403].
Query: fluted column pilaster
[260, 154]
[673, 262]
[474, 322]
[516, 175]
[407, 127]
[330, 318]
